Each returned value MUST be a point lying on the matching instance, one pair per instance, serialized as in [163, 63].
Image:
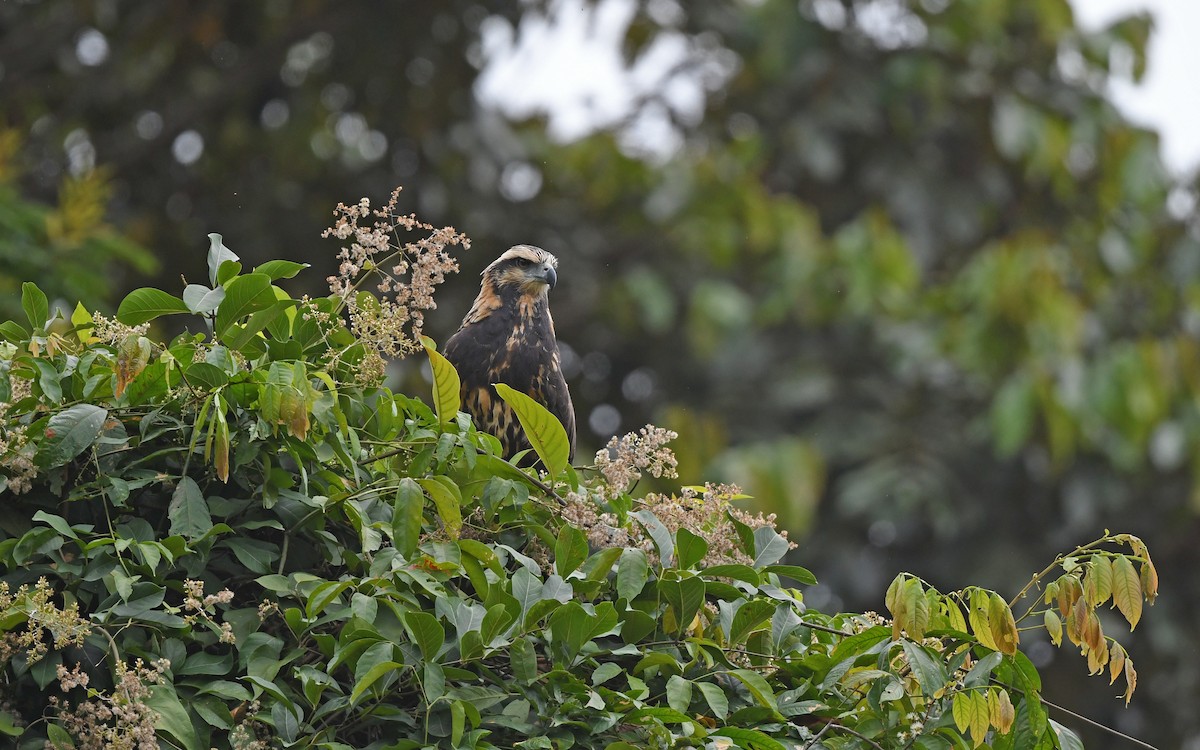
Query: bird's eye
[524, 262]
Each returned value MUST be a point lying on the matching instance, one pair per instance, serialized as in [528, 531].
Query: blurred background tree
[898, 267]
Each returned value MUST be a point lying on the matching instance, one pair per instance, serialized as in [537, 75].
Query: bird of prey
[508, 337]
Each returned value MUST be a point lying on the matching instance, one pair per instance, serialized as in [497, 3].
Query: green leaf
[11, 331]
[35, 305]
[769, 546]
[545, 433]
[570, 551]
[280, 269]
[59, 738]
[69, 433]
[188, 510]
[243, 295]
[758, 687]
[633, 571]
[207, 376]
[737, 572]
[371, 677]
[689, 548]
[802, 575]
[748, 617]
[171, 717]
[1067, 739]
[447, 498]
[679, 693]
[407, 514]
[716, 699]
[8, 724]
[685, 595]
[523, 660]
[446, 385]
[237, 337]
[752, 739]
[928, 671]
[606, 672]
[427, 633]
[146, 304]
[663, 541]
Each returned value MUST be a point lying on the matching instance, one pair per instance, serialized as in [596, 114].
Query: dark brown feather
[508, 337]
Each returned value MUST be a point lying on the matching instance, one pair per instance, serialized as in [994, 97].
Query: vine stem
[1091, 722]
[1049, 569]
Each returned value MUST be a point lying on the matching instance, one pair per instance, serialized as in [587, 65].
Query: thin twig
[1080, 717]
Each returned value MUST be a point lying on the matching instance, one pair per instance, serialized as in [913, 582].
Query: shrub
[241, 539]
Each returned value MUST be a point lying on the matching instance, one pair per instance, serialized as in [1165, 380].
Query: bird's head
[526, 269]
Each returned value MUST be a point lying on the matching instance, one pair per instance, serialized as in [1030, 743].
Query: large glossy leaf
[188, 511]
[71, 432]
[546, 434]
[570, 551]
[35, 305]
[146, 304]
[243, 295]
[447, 499]
[427, 633]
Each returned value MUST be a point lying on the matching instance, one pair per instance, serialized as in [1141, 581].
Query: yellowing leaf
[1000, 710]
[132, 355]
[979, 617]
[1069, 590]
[1127, 590]
[545, 433]
[446, 384]
[1116, 662]
[980, 717]
[1149, 577]
[1054, 627]
[1098, 582]
[81, 319]
[1003, 625]
[916, 609]
[962, 711]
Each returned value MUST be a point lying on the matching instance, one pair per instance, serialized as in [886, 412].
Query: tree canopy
[907, 276]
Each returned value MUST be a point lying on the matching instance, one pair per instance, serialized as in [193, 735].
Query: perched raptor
[508, 337]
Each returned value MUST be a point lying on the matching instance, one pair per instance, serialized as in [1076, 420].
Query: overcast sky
[568, 66]
[1169, 96]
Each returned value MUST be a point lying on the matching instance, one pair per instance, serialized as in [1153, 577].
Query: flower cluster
[16, 452]
[706, 511]
[624, 459]
[203, 607]
[42, 617]
[112, 331]
[389, 323]
[120, 721]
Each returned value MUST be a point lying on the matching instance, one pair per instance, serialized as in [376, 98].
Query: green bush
[241, 539]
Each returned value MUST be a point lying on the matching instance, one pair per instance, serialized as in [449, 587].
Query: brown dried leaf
[1116, 662]
[1069, 591]
[1130, 679]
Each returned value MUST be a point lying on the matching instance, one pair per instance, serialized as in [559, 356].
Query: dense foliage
[899, 268]
[238, 538]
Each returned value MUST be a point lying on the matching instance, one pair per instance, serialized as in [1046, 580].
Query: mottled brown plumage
[508, 337]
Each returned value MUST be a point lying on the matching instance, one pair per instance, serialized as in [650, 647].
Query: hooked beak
[550, 275]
